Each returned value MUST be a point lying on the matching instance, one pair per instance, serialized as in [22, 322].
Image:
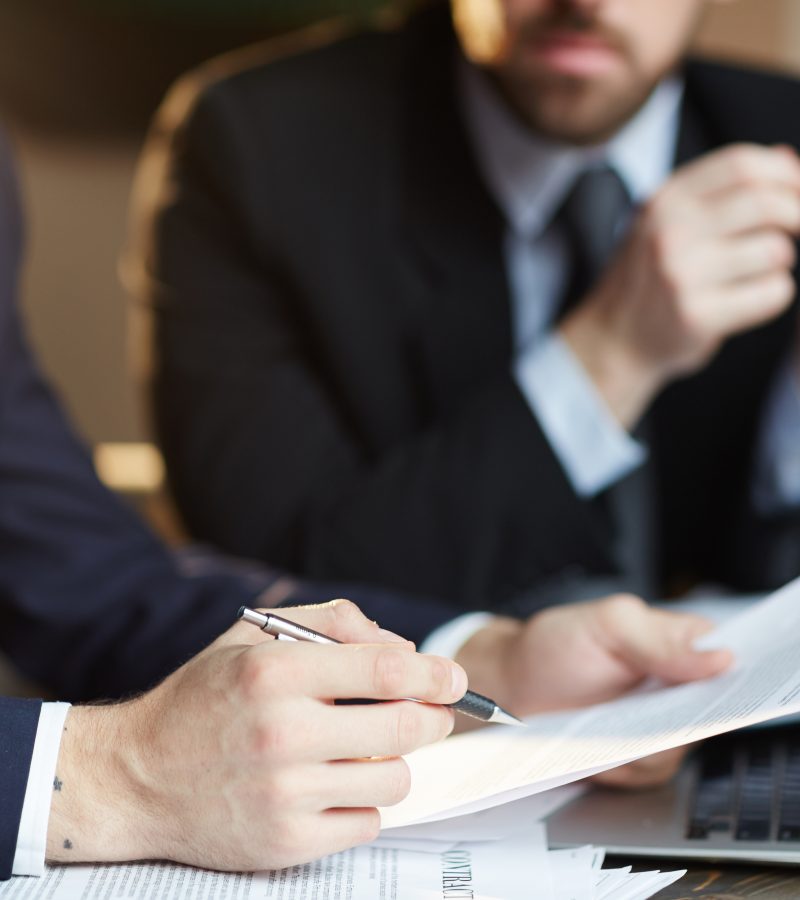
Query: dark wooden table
[723, 883]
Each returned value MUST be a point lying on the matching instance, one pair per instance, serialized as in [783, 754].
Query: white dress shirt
[530, 178]
[32, 836]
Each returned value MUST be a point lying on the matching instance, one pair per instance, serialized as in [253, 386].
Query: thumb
[660, 644]
[686, 662]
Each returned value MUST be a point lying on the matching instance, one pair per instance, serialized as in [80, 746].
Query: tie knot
[594, 214]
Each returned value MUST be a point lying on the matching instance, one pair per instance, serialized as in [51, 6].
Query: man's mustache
[576, 21]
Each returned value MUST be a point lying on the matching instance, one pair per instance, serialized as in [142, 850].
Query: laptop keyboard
[748, 791]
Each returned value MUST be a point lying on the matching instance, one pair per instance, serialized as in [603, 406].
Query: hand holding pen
[471, 704]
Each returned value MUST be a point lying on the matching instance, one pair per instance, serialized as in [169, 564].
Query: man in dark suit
[226, 763]
[92, 606]
[397, 337]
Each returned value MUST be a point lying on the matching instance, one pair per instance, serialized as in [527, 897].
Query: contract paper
[510, 870]
[472, 772]
[517, 868]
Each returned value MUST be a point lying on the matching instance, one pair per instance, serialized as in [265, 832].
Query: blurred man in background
[502, 316]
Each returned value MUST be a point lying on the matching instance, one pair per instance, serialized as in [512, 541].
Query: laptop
[736, 798]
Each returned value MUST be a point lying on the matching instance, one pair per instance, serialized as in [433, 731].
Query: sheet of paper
[517, 869]
[491, 824]
[609, 881]
[574, 873]
[475, 771]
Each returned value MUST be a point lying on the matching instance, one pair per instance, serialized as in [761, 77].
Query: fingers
[745, 257]
[342, 620]
[380, 729]
[350, 671]
[374, 671]
[360, 784]
[339, 619]
[741, 164]
[746, 304]
[757, 207]
[315, 835]
[658, 643]
[648, 772]
[345, 828]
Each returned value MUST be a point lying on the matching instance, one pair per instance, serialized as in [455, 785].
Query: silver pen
[471, 704]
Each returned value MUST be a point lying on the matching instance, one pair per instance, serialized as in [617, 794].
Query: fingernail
[391, 636]
[459, 681]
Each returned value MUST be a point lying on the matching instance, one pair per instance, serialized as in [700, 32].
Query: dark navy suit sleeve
[18, 721]
[91, 603]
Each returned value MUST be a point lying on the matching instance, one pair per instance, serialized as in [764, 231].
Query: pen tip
[241, 612]
[501, 717]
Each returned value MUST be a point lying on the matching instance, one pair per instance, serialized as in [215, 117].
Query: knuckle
[742, 163]
[389, 672]
[345, 612]
[256, 674]
[407, 729]
[275, 793]
[271, 740]
[622, 606]
[440, 677]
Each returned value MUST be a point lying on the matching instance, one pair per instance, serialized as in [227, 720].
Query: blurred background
[79, 80]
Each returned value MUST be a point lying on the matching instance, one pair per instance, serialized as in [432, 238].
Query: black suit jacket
[333, 337]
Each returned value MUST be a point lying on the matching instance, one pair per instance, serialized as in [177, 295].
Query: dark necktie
[594, 219]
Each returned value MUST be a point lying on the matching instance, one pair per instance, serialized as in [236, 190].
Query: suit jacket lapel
[453, 228]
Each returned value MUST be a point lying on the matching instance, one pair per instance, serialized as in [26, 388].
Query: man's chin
[581, 111]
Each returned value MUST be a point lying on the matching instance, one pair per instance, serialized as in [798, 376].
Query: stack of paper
[577, 874]
[516, 868]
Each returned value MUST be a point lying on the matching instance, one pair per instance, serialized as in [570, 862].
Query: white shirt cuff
[448, 639]
[32, 837]
[776, 485]
[594, 450]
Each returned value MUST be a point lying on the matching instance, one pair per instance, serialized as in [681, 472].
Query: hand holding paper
[558, 748]
[587, 653]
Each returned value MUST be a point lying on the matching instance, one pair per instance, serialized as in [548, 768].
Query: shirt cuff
[594, 450]
[776, 483]
[448, 639]
[32, 836]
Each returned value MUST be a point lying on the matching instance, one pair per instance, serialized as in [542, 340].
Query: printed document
[519, 868]
[479, 770]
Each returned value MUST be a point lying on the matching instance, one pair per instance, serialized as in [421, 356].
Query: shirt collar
[530, 176]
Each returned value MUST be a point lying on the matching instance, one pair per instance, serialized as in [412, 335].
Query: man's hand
[585, 653]
[711, 255]
[241, 760]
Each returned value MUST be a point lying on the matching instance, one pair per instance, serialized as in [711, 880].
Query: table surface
[725, 883]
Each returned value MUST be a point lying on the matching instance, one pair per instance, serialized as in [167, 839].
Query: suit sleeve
[264, 456]
[91, 604]
[18, 722]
